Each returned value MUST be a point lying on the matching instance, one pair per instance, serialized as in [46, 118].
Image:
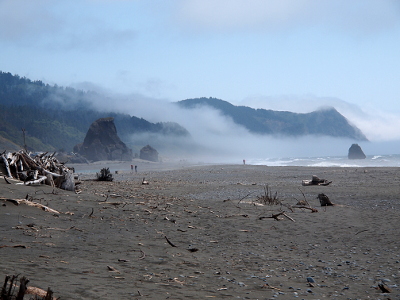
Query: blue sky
[291, 55]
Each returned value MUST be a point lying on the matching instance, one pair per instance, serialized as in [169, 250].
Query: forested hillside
[56, 118]
[324, 122]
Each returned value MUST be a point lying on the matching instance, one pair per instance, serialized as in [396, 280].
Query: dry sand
[112, 241]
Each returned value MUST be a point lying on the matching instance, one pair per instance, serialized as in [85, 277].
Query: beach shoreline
[200, 231]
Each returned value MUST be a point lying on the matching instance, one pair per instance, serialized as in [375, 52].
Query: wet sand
[200, 232]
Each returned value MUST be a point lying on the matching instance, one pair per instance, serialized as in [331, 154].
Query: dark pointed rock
[103, 143]
[355, 152]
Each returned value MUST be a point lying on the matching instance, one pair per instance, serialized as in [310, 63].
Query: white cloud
[57, 26]
[357, 16]
[24, 19]
[225, 14]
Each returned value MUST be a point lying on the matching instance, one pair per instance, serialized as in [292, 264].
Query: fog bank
[216, 138]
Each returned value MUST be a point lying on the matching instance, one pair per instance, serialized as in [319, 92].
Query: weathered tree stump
[324, 200]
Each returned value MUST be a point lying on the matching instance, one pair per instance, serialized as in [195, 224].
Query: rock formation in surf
[355, 152]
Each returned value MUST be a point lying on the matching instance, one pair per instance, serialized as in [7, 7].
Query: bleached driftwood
[31, 203]
[33, 182]
[38, 169]
[31, 290]
[306, 207]
[51, 173]
[7, 165]
[11, 290]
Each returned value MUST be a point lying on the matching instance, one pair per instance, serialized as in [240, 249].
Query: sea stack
[149, 153]
[355, 152]
[103, 143]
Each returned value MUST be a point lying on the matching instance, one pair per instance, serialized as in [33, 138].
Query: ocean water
[330, 161]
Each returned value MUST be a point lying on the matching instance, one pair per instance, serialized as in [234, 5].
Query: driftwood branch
[304, 197]
[276, 216]
[290, 218]
[304, 203]
[306, 207]
[33, 182]
[31, 203]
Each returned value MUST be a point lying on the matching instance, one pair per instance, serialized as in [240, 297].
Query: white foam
[329, 161]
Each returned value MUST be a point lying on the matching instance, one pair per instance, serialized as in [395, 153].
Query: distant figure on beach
[244, 161]
[135, 169]
[131, 168]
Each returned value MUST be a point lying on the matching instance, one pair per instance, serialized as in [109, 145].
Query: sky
[295, 55]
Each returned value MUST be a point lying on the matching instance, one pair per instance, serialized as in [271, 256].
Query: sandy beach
[200, 232]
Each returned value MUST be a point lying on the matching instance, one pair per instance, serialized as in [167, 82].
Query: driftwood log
[8, 291]
[38, 169]
[316, 181]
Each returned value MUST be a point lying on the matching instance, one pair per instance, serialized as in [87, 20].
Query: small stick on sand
[169, 242]
[270, 287]
[143, 254]
[245, 197]
[112, 269]
[384, 288]
[361, 231]
[13, 246]
[5, 178]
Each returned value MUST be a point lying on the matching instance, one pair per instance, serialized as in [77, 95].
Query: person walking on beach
[135, 169]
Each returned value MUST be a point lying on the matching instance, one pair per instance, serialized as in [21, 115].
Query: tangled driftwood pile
[37, 169]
